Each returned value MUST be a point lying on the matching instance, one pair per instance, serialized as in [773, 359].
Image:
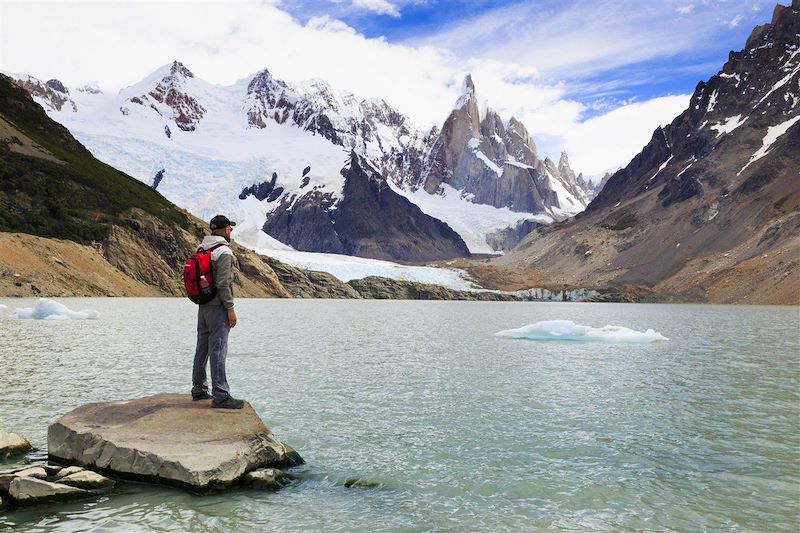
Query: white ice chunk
[47, 309]
[567, 330]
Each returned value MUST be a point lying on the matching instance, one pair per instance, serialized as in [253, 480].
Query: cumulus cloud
[734, 22]
[381, 7]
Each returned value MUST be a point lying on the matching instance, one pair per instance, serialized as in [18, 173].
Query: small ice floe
[567, 330]
[47, 309]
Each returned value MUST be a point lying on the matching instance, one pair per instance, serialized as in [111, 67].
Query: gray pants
[212, 343]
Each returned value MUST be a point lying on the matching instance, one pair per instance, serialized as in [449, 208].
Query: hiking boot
[201, 396]
[228, 403]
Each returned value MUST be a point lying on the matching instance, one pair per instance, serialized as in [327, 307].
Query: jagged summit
[178, 69]
[498, 165]
[468, 86]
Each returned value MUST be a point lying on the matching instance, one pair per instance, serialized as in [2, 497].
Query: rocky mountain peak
[520, 144]
[51, 94]
[178, 69]
[171, 98]
[563, 161]
[57, 86]
[468, 87]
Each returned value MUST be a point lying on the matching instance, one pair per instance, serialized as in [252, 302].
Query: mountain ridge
[171, 128]
[709, 210]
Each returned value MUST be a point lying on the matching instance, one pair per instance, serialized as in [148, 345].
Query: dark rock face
[506, 239]
[157, 178]
[371, 220]
[263, 190]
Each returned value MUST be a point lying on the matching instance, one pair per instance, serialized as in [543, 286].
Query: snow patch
[567, 330]
[517, 164]
[46, 309]
[712, 101]
[773, 132]
[662, 167]
[729, 124]
[489, 163]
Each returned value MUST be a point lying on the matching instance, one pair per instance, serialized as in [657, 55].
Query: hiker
[215, 320]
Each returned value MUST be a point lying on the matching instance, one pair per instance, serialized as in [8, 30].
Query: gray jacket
[222, 264]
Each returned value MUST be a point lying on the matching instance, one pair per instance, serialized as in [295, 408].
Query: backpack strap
[200, 249]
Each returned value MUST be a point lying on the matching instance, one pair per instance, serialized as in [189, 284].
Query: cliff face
[370, 220]
[709, 209]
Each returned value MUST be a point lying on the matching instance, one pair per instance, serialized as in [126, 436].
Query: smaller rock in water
[12, 444]
[36, 471]
[5, 483]
[68, 471]
[358, 483]
[87, 479]
[265, 479]
[30, 491]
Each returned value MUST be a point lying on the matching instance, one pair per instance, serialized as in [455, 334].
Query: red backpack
[198, 277]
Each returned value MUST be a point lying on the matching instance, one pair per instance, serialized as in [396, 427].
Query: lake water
[462, 430]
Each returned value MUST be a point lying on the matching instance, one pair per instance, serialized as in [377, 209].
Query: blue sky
[728, 23]
[594, 78]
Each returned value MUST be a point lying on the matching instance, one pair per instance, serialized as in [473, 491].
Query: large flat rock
[168, 439]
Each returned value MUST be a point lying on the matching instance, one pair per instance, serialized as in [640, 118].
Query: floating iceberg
[567, 330]
[46, 309]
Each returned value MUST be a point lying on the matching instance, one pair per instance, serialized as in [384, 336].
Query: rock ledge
[168, 438]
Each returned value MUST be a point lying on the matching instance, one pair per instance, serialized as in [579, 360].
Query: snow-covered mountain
[262, 148]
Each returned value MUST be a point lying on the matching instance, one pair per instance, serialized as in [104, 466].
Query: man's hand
[231, 318]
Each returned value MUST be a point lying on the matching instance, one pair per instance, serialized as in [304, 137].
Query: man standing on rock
[215, 320]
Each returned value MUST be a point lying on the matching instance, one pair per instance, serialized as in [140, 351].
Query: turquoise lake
[460, 429]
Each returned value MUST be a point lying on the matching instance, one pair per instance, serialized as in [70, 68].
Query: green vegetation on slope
[77, 200]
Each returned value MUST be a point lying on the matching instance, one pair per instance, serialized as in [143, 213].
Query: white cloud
[685, 10]
[381, 7]
[611, 140]
[734, 22]
[119, 43]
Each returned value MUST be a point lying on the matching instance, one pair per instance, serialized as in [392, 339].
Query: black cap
[220, 222]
